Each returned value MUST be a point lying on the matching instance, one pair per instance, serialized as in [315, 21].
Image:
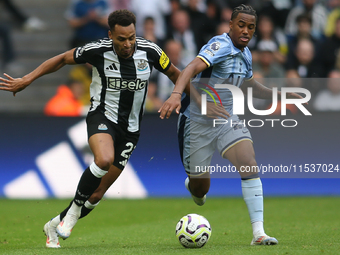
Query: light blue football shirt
[226, 65]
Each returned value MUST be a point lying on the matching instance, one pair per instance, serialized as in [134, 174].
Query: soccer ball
[193, 231]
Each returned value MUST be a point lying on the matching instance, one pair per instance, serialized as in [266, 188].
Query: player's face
[124, 40]
[242, 29]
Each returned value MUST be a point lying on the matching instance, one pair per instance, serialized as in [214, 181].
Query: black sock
[63, 213]
[85, 211]
[87, 185]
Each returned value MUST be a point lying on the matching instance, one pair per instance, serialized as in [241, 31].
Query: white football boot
[65, 227]
[52, 240]
[264, 240]
[198, 200]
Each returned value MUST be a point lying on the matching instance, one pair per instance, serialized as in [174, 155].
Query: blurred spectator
[304, 30]
[305, 65]
[182, 33]
[83, 74]
[151, 8]
[149, 31]
[328, 51]
[332, 17]
[120, 4]
[267, 32]
[317, 12]
[293, 79]
[153, 102]
[67, 102]
[160, 88]
[8, 62]
[88, 18]
[303, 62]
[173, 49]
[223, 27]
[213, 11]
[7, 51]
[175, 5]
[202, 26]
[329, 98]
[277, 10]
[267, 65]
[26, 23]
[226, 14]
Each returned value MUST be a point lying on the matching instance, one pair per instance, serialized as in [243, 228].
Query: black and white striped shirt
[119, 86]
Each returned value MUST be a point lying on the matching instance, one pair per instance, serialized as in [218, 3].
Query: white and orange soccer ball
[193, 231]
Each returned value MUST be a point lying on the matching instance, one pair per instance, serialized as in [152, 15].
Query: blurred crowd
[296, 43]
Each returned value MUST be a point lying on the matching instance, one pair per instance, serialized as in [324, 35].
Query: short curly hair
[121, 17]
[247, 9]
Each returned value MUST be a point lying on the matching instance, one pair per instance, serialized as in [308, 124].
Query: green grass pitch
[308, 225]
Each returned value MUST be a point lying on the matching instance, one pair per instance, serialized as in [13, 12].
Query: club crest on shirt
[142, 65]
[215, 46]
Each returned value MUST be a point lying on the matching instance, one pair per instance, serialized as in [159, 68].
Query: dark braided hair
[247, 9]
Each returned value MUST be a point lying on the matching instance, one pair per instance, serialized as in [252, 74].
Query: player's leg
[196, 154]
[242, 156]
[98, 194]
[198, 186]
[102, 146]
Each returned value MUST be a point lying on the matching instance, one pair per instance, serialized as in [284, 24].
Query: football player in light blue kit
[224, 59]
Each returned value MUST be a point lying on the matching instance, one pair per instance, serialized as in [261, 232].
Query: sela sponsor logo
[238, 104]
[121, 84]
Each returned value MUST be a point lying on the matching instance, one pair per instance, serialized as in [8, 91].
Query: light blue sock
[253, 196]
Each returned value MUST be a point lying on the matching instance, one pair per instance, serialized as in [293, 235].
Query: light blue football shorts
[198, 142]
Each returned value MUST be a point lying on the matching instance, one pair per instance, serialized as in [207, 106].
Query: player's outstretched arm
[263, 92]
[181, 83]
[51, 65]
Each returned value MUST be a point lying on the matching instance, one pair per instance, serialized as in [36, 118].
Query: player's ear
[110, 34]
[230, 24]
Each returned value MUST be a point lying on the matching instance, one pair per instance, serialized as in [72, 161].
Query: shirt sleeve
[81, 56]
[159, 59]
[214, 51]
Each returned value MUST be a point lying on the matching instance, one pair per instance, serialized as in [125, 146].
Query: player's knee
[104, 162]
[248, 161]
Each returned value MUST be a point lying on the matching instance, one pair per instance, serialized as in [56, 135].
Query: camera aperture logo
[238, 104]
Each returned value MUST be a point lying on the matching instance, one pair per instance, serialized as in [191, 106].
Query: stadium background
[27, 137]
[44, 156]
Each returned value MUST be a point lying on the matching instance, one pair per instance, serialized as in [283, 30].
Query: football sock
[88, 183]
[55, 221]
[87, 208]
[253, 196]
[63, 213]
[258, 228]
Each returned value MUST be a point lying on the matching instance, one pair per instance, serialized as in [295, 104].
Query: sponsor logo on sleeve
[164, 60]
[215, 46]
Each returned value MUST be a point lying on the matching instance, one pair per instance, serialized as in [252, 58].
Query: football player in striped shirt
[122, 65]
